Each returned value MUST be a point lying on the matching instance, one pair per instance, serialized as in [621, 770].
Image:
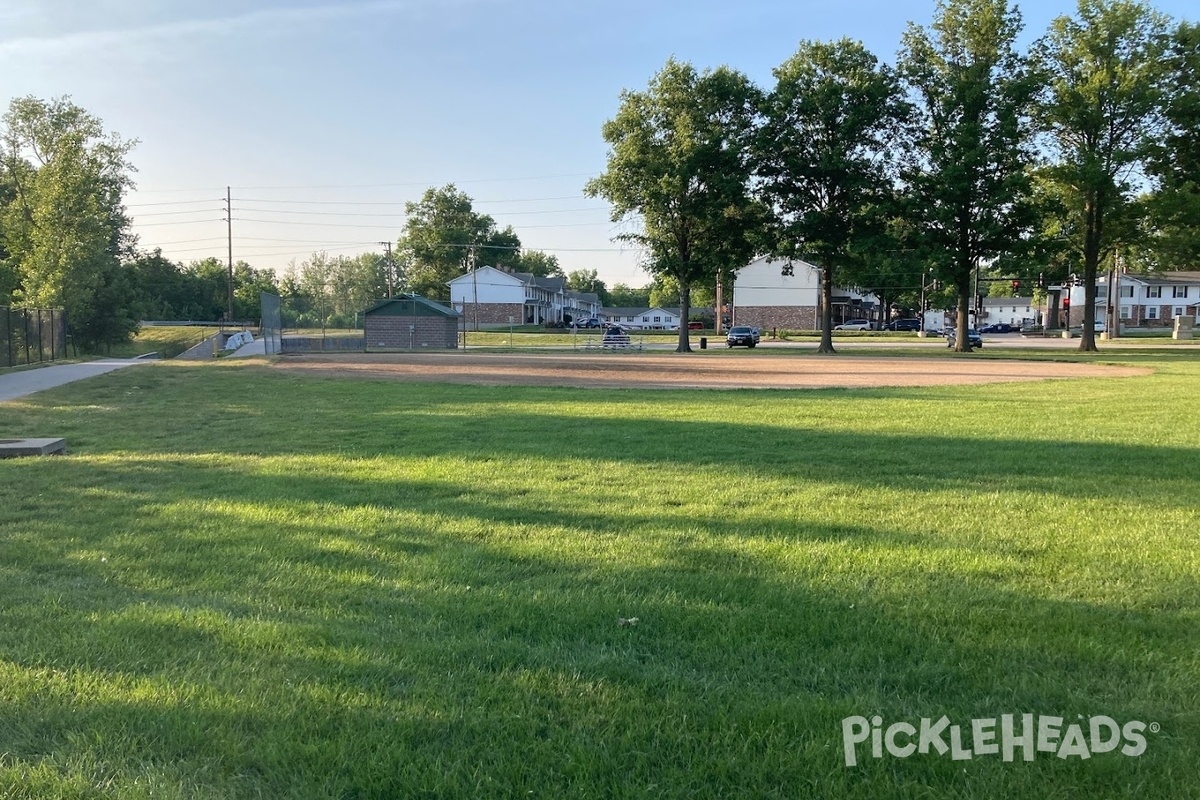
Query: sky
[324, 117]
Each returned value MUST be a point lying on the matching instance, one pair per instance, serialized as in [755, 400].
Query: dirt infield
[697, 371]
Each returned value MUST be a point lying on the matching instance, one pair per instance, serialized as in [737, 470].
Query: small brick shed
[410, 322]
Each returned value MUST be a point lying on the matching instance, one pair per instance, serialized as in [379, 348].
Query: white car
[854, 325]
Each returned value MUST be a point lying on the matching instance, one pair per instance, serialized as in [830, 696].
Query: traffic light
[1041, 281]
[1016, 285]
[936, 287]
[928, 305]
[1066, 302]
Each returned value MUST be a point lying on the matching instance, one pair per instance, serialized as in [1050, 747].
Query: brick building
[410, 322]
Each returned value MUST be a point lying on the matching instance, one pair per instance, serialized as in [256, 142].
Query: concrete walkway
[29, 381]
[256, 348]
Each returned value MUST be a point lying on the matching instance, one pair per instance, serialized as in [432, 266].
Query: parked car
[590, 323]
[973, 338]
[854, 325]
[1000, 327]
[903, 325]
[741, 335]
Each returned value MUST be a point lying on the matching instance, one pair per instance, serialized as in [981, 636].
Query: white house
[786, 294]
[491, 296]
[1144, 301]
[651, 319]
[1016, 311]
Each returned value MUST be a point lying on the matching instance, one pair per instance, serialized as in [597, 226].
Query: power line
[422, 183]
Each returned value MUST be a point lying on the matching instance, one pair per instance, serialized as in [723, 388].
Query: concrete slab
[12, 448]
[29, 381]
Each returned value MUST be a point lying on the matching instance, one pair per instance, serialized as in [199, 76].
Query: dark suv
[903, 325]
[741, 335]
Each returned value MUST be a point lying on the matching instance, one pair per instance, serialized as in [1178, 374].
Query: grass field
[244, 583]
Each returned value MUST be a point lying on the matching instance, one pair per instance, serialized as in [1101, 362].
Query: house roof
[587, 297]
[1160, 279]
[637, 311]
[553, 284]
[409, 298]
[1008, 301]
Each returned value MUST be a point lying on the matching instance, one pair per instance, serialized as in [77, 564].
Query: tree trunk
[1093, 223]
[685, 303]
[962, 342]
[826, 345]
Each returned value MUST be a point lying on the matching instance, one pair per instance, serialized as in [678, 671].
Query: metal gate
[272, 324]
[32, 335]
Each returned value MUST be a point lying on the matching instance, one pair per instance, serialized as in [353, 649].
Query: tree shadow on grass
[343, 649]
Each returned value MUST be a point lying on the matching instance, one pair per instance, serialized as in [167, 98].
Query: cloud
[272, 18]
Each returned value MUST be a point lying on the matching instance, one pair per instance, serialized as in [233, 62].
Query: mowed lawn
[243, 583]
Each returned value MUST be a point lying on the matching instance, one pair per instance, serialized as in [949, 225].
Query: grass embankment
[166, 340]
[248, 584]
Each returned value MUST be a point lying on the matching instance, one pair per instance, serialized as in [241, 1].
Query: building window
[1125, 312]
[658, 319]
[1177, 311]
[629, 319]
[1153, 291]
[1151, 312]
[1179, 291]
[645, 319]
[1125, 291]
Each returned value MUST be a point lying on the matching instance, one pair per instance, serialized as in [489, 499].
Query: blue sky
[325, 117]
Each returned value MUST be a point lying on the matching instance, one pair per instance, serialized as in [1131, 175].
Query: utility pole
[229, 229]
[391, 268]
[720, 305]
[474, 286]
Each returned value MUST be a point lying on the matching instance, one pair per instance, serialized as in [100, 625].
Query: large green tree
[444, 237]
[1101, 109]
[588, 280]
[1175, 158]
[622, 295]
[966, 167]
[822, 159]
[679, 170]
[543, 265]
[65, 228]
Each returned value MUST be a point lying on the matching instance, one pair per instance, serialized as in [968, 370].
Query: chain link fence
[32, 335]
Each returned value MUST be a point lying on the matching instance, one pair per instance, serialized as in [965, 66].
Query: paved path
[28, 381]
[256, 348]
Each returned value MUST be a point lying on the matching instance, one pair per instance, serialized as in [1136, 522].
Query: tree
[1174, 207]
[1100, 112]
[65, 228]
[622, 295]
[679, 169]
[821, 156]
[444, 237]
[588, 280]
[543, 265]
[965, 170]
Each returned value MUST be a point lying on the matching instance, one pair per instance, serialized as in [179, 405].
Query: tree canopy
[821, 157]
[678, 173]
[64, 225]
[1105, 72]
[444, 237]
[965, 174]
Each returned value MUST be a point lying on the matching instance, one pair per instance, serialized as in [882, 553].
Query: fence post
[25, 318]
[41, 352]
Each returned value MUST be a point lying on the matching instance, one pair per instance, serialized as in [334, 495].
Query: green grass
[166, 340]
[244, 583]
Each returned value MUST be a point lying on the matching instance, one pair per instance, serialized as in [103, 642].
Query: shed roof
[424, 302]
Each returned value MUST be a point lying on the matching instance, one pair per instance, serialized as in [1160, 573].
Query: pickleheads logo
[1004, 736]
